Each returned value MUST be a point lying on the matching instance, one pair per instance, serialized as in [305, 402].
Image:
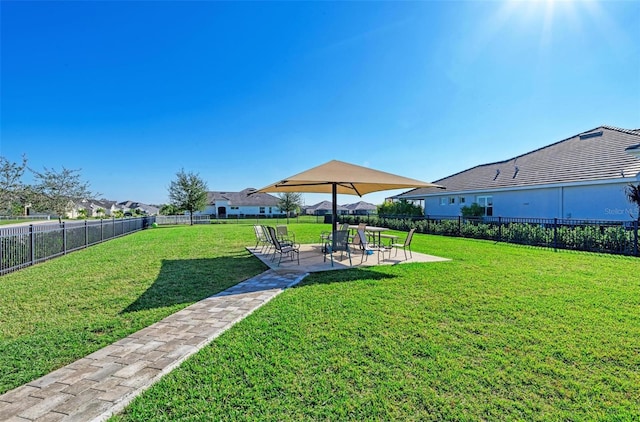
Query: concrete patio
[312, 259]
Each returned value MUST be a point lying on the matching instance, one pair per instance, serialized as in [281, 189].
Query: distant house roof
[105, 203]
[131, 205]
[325, 206]
[360, 206]
[243, 198]
[597, 154]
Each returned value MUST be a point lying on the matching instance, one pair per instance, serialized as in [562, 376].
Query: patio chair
[406, 245]
[339, 242]
[261, 237]
[284, 235]
[326, 236]
[368, 248]
[281, 248]
[269, 241]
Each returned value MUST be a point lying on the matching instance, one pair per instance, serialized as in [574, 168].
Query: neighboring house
[361, 208]
[109, 207]
[129, 206]
[93, 208]
[243, 203]
[324, 208]
[581, 177]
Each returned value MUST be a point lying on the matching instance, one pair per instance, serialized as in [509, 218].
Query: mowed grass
[56, 312]
[501, 332]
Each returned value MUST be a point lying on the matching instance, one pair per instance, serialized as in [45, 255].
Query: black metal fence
[25, 245]
[614, 237]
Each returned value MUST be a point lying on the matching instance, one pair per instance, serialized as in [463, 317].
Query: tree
[633, 195]
[169, 209]
[188, 192]
[289, 202]
[11, 187]
[58, 191]
[402, 207]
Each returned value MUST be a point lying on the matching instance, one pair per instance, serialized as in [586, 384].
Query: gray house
[581, 177]
[243, 203]
[324, 208]
[361, 208]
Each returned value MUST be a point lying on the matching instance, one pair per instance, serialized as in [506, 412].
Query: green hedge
[609, 237]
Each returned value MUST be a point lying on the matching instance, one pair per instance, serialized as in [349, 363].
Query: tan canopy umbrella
[338, 177]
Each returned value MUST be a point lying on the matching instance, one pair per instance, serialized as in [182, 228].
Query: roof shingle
[244, 198]
[596, 154]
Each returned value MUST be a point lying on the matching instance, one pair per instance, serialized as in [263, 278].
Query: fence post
[428, 225]
[32, 242]
[86, 234]
[555, 234]
[459, 226]
[635, 238]
[499, 229]
[64, 239]
[101, 231]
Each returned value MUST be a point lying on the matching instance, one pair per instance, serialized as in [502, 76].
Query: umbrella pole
[334, 207]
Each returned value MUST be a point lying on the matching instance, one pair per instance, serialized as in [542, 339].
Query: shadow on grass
[190, 280]
[344, 276]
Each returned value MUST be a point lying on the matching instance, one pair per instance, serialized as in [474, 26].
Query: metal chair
[261, 237]
[339, 242]
[368, 248]
[281, 248]
[406, 245]
[284, 235]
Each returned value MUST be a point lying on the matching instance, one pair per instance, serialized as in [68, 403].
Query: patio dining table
[376, 230]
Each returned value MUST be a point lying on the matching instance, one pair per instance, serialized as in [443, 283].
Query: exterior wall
[241, 210]
[589, 202]
[604, 202]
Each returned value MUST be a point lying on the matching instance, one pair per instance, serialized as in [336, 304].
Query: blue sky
[247, 93]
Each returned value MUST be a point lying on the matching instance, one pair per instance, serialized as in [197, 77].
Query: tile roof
[597, 154]
[243, 198]
[324, 205]
[360, 205]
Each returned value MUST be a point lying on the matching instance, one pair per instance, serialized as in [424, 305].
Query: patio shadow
[191, 280]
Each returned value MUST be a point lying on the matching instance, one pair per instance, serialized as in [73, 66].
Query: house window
[452, 200]
[486, 202]
[270, 212]
[443, 201]
[235, 208]
[261, 210]
[461, 200]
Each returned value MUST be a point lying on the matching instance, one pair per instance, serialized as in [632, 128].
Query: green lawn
[57, 312]
[500, 332]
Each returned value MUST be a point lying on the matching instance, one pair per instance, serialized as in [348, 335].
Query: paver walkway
[103, 383]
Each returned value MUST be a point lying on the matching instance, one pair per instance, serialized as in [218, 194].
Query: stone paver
[103, 383]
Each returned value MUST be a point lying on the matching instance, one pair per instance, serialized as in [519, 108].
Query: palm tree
[633, 195]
